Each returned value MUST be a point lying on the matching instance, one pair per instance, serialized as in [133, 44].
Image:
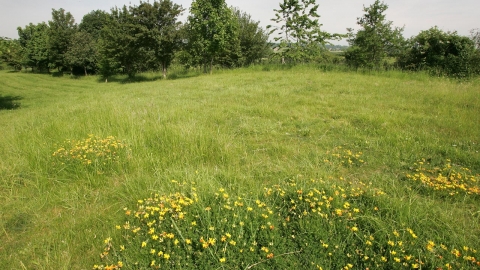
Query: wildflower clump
[297, 223]
[344, 157]
[449, 179]
[93, 152]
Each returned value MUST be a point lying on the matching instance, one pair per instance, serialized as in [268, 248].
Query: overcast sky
[336, 15]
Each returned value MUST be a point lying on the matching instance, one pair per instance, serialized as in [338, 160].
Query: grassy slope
[240, 129]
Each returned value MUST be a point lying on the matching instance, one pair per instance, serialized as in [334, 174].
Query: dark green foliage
[148, 37]
[93, 23]
[140, 38]
[253, 39]
[34, 42]
[212, 34]
[82, 51]
[120, 42]
[61, 29]
[443, 53]
[11, 53]
[376, 39]
[159, 35]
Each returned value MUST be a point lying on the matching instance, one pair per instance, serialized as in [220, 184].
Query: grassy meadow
[259, 168]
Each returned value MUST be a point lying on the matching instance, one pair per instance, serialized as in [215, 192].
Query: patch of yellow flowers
[318, 221]
[450, 178]
[92, 151]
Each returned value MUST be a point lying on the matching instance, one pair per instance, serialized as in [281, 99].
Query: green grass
[243, 131]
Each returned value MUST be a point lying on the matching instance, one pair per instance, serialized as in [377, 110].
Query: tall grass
[241, 130]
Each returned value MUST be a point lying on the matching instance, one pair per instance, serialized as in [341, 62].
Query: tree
[3, 46]
[212, 32]
[375, 40]
[11, 53]
[299, 31]
[120, 47]
[253, 39]
[159, 32]
[140, 37]
[82, 51]
[61, 29]
[34, 42]
[93, 23]
[443, 53]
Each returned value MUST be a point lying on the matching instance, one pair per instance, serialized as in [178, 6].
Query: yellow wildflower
[211, 241]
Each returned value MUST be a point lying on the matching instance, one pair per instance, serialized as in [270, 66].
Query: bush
[442, 53]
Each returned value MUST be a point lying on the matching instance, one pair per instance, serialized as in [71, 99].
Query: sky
[336, 15]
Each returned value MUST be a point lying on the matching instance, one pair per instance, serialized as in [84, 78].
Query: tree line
[139, 38]
[149, 36]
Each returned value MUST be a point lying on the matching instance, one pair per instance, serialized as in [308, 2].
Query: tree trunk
[85, 69]
[164, 68]
[211, 66]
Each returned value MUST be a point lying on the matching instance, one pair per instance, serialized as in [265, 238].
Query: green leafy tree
[140, 37]
[82, 51]
[11, 53]
[159, 31]
[61, 29]
[34, 42]
[376, 39]
[120, 48]
[212, 33]
[443, 53]
[93, 23]
[253, 39]
[3, 49]
[298, 30]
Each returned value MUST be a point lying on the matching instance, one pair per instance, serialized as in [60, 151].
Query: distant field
[394, 157]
